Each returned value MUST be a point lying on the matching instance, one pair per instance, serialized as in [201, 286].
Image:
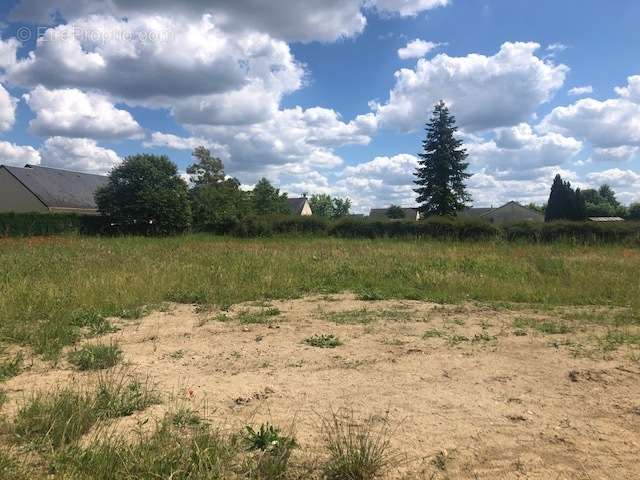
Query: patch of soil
[509, 406]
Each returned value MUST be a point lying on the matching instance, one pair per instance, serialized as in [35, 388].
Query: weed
[119, 396]
[365, 316]
[177, 355]
[264, 316]
[185, 417]
[483, 337]
[520, 332]
[95, 357]
[548, 327]
[616, 338]
[441, 460]
[370, 295]
[323, 341]
[433, 333]
[94, 322]
[456, 339]
[266, 438]
[11, 367]
[357, 451]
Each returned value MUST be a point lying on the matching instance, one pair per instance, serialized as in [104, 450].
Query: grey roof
[476, 211]
[59, 188]
[296, 205]
[409, 212]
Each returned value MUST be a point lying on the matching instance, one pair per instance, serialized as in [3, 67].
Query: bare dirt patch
[468, 392]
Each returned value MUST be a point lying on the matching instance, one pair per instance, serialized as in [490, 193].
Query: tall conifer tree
[442, 169]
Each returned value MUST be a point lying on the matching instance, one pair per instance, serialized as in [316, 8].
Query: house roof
[476, 211]
[483, 212]
[382, 212]
[59, 188]
[297, 204]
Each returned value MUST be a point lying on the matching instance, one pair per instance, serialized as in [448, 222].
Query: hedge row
[32, 224]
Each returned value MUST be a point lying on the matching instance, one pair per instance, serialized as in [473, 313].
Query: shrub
[11, 367]
[37, 224]
[95, 357]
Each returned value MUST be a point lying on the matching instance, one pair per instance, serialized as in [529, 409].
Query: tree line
[146, 191]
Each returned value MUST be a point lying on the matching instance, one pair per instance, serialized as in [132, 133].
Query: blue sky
[329, 95]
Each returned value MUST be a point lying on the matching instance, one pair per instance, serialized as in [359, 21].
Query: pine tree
[442, 168]
[565, 203]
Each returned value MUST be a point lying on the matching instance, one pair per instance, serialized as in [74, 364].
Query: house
[510, 212]
[606, 219]
[48, 190]
[300, 206]
[381, 213]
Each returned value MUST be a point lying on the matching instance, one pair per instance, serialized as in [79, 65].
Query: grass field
[448, 338]
[48, 286]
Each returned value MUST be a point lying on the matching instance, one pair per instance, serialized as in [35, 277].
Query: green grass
[323, 341]
[263, 316]
[95, 357]
[548, 327]
[366, 316]
[10, 367]
[79, 278]
[54, 420]
[357, 451]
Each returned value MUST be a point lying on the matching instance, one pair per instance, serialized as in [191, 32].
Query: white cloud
[73, 113]
[632, 90]
[78, 154]
[579, 91]
[416, 49]
[156, 61]
[606, 124]
[406, 8]
[615, 154]
[295, 20]
[519, 153]
[483, 92]
[8, 49]
[626, 183]
[7, 110]
[290, 136]
[17, 155]
[175, 142]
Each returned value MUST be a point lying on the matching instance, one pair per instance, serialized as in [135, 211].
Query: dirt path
[487, 399]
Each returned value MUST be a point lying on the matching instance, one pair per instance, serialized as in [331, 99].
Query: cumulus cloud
[78, 154]
[290, 136]
[484, 92]
[8, 49]
[406, 8]
[155, 58]
[626, 183]
[518, 152]
[324, 20]
[73, 113]
[7, 109]
[579, 91]
[615, 154]
[416, 49]
[18, 155]
[632, 90]
[168, 140]
[605, 124]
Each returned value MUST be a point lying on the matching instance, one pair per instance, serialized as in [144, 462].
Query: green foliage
[442, 169]
[357, 451]
[323, 205]
[323, 341]
[603, 203]
[217, 202]
[634, 212]
[267, 200]
[38, 224]
[565, 203]
[9, 368]
[395, 212]
[145, 195]
[95, 357]
[266, 438]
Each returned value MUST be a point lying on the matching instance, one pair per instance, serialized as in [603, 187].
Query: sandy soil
[497, 405]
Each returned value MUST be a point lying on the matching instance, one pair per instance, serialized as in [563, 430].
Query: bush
[35, 224]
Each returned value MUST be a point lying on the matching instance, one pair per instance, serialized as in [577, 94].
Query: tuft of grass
[548, 327]
[456, 339]
[433, 333]
[323, 341]
[264, 316]
[95, 357]
[617, 338]
[11, 367]
[365, 316]
[12, 469]
[185, 417]
[94, 322]
[119, 396]
[357, 451]
[54, 420]
[483, 337]
[370, 295]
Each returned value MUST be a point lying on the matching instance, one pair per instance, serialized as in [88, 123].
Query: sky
[329, 96]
